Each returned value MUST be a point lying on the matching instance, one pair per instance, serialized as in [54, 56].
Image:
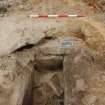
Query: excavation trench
[46, 86]
[59, 69]
[57, 61]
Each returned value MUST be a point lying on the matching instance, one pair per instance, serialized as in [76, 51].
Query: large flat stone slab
[60, 46]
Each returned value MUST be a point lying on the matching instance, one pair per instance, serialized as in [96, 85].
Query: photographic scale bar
[55, 16]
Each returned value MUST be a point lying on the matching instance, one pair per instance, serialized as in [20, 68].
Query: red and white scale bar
[55, 16]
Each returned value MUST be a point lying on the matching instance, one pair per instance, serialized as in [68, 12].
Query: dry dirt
[52, 61]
